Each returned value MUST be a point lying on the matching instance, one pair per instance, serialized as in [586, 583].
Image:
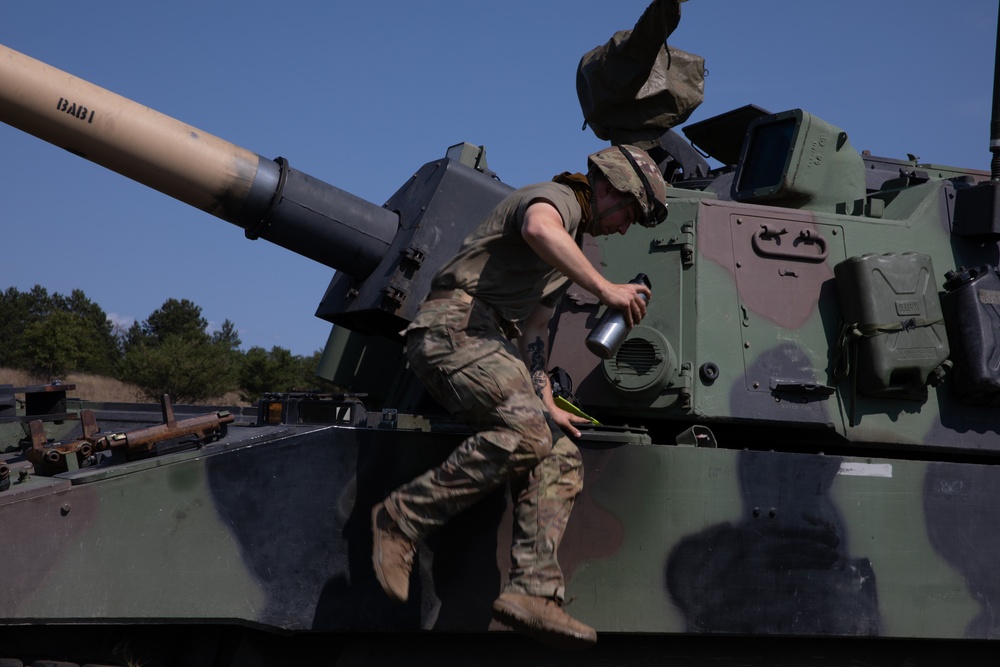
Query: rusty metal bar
[56, 455]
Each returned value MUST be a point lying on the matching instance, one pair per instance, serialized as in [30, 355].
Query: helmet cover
[631, 170]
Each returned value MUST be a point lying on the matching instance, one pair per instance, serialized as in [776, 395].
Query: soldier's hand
[565, 421]
[627, 299]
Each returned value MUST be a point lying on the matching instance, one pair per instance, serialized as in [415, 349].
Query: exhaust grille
[644, 366]
[637, 357]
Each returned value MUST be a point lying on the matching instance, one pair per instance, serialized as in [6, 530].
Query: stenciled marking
[949, 487]
[865, 469]
[75, 110]
[990, 297]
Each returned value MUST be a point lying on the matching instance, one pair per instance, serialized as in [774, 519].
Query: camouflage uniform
[458, 347]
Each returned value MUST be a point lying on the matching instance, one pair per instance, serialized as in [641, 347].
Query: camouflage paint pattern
[267, 528]
[750, 289]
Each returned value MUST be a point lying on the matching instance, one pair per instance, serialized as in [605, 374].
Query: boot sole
[560, 638]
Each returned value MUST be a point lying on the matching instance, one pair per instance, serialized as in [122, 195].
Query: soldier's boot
[392, 555]
[543, 619]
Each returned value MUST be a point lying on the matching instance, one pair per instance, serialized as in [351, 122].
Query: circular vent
[637, 357]
[644, 364]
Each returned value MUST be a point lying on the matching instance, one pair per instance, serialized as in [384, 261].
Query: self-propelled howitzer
[793, 449]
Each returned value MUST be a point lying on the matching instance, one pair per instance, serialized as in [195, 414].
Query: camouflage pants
[470, 367]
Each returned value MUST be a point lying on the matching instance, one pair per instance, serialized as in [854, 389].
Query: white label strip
[865, 469]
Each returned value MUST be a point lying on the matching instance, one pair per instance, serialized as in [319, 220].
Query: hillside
[97, 387]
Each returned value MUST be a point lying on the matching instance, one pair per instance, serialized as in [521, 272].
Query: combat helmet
[631, 170]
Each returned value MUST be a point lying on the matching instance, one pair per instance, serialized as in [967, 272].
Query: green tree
[278, 370]
[58, 343]
[171, 352]
[17, 311]
[264, 371]
[99, 347]
[190, 370]
[174, 318]
[55, 333]
[227, 335]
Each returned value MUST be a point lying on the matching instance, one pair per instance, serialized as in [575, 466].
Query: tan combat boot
[543, 619]
[392, 555]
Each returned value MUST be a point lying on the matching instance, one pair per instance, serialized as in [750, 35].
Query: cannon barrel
[265, 197]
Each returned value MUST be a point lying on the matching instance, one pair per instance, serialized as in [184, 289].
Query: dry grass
[99, 387]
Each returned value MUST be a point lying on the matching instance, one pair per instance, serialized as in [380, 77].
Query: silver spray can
[610, 332]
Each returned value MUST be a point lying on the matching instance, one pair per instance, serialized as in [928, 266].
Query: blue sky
[361, 94]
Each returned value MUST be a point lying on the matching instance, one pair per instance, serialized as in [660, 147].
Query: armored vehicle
[797, 455]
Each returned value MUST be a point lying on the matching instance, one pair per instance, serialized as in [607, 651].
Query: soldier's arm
[542, 229]
[533, 346]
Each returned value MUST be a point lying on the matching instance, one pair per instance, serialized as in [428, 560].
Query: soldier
[479, 343]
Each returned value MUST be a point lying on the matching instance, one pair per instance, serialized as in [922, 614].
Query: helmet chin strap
[625, 203]
[600, 215]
